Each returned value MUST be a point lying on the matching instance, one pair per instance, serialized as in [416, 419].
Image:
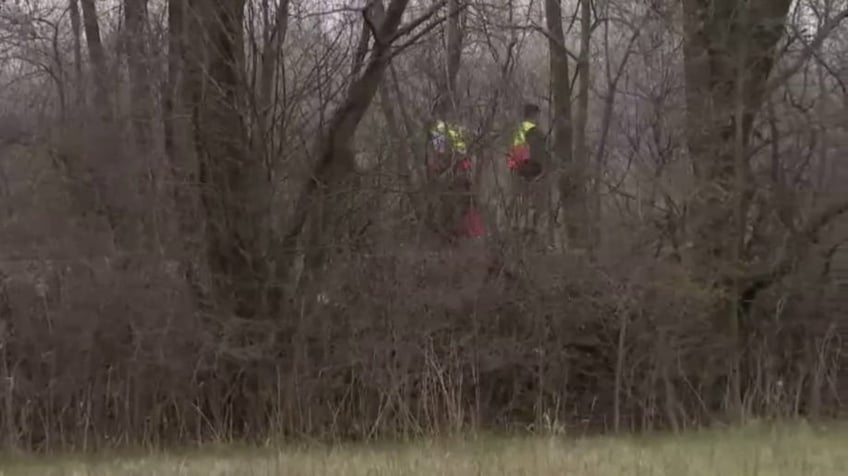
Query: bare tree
[97, 56]
[76, 28]
[234, 188]
[570, 146]
[135, 17]
[335, 160]
[453, 58]
[730, 58]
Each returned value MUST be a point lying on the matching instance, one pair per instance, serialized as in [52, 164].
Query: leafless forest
[214, 217]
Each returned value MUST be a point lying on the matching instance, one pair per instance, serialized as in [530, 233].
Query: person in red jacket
[451, 169]
[528, 160]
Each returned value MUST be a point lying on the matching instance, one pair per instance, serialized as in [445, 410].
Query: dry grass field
[786, 451]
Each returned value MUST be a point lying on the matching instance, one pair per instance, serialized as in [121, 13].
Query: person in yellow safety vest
[449, 148]
[527, 154]
[452, 169]
[527, 160]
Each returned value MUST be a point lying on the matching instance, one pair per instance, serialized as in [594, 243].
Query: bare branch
[807, 52]
[412, 25]
[797, 244]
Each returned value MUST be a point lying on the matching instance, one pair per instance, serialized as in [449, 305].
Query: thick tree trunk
[181, 89]
[97, 56]
[729, 54]
[141, 118]
[578, 202]
[172, 106]
[273, 36]
[76, 29]
[234, 190]
[109, 173]
[728, 58]
[561, 125]
[135, 16]
[454, 48]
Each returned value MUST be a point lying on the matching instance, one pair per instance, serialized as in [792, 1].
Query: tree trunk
[273, 36]
[135, 16]
[453, 57]
[141, 115]
[171, 103]
[561, 125]
[180, 87]
[234, 192]
[76, 28]
[578, 201]
[728, 55]
[109, 173]
[97, 55]
[335, 160]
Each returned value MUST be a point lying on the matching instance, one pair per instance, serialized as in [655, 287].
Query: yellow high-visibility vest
[454, 136]
[520, 137]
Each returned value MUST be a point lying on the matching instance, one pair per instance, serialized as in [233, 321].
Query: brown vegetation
[213, 218]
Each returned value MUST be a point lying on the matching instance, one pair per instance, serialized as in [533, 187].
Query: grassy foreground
[790, 451]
